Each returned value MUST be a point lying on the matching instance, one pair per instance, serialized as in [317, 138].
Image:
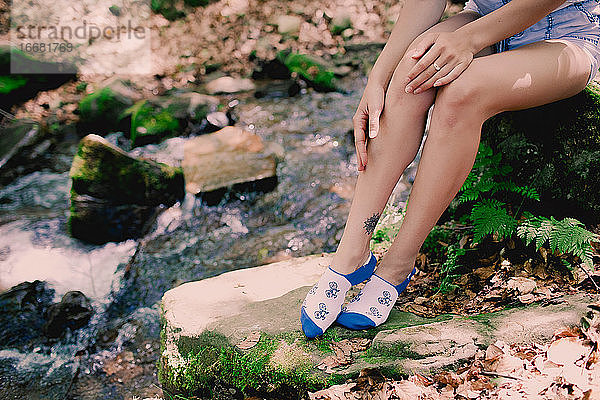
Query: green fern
[565, 236]
[489, 217]
[484, 175]
[451, 264]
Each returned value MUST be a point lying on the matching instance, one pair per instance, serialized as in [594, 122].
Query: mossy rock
[555, 148]
[152, 121]
[314, 70]
[113, 194]
[203, 324]
[101, 110]
[28, 76]
[173, 9]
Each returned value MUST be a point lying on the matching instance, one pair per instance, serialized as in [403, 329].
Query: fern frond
[488, 217]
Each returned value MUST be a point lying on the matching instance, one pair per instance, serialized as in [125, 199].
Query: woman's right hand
[366, 120]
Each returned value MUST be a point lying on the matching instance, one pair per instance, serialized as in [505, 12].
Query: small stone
[522, 285]
[228, 84]
[218, 119]
[288, 24]
[342, 70]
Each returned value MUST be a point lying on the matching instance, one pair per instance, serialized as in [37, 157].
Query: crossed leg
[528, 76]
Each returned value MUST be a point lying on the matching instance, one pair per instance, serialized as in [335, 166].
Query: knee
[459, 100]
[396, 98]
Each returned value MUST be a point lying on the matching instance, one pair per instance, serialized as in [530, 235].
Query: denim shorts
[577, 22]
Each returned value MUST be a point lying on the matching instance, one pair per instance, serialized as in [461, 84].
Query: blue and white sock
[372, 305]
[324, 300]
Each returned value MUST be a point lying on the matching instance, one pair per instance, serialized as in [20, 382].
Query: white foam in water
[65, 268]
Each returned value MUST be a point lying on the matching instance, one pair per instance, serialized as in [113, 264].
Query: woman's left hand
[443, 57]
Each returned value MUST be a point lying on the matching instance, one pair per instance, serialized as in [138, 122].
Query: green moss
[338, 25]
[396, 351]
[310, 69]
[167, 8]
[8, 83]
[209, 358]
[196, 3]
[103, 108]
[150, 123]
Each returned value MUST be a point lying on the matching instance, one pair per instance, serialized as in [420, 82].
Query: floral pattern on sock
[385, 299]
[322, 312]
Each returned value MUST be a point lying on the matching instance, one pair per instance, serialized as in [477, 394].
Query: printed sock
[324, 300]
[372, 305]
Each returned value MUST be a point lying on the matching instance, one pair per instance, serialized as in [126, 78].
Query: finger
[422, 77]
[452, 75]
[423, 46]
[428, 84]
[423, 64]
[375, 107]
[360, 141]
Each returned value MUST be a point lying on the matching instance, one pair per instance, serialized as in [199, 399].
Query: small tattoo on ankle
[371, 223]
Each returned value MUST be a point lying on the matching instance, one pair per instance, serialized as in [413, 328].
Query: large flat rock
[229, 159]
[209, 330]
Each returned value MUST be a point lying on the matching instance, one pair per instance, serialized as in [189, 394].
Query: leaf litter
[566, 368]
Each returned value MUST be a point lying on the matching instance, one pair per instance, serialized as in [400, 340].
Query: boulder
[22, 77]
[73, 311]
[113, 195]
[229, 159]
[101, 110]
[555, 148]
[33, 366]
[14, 136]
[314, 70]
[23, 314]
[243, 332]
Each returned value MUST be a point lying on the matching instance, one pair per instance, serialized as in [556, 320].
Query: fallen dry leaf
[343, 353]
[566, 350]
[336, 392]
[249, 342]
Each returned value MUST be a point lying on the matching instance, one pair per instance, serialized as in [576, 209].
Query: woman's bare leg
[402, 124]
[525, 77]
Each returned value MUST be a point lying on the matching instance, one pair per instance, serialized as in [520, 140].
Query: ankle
[346, 263]
[397, 270]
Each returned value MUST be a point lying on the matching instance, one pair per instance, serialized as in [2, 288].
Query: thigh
[525, 77]
[396, 85]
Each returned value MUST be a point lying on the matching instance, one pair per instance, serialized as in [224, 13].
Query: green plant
[484, 189]
[488, 176]
[448, 267]
[565, 236]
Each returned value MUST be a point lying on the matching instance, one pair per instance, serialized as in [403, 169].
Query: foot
[372, 305]
[324, 301]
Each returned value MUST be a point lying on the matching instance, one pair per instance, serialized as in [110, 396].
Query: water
[304, 215]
